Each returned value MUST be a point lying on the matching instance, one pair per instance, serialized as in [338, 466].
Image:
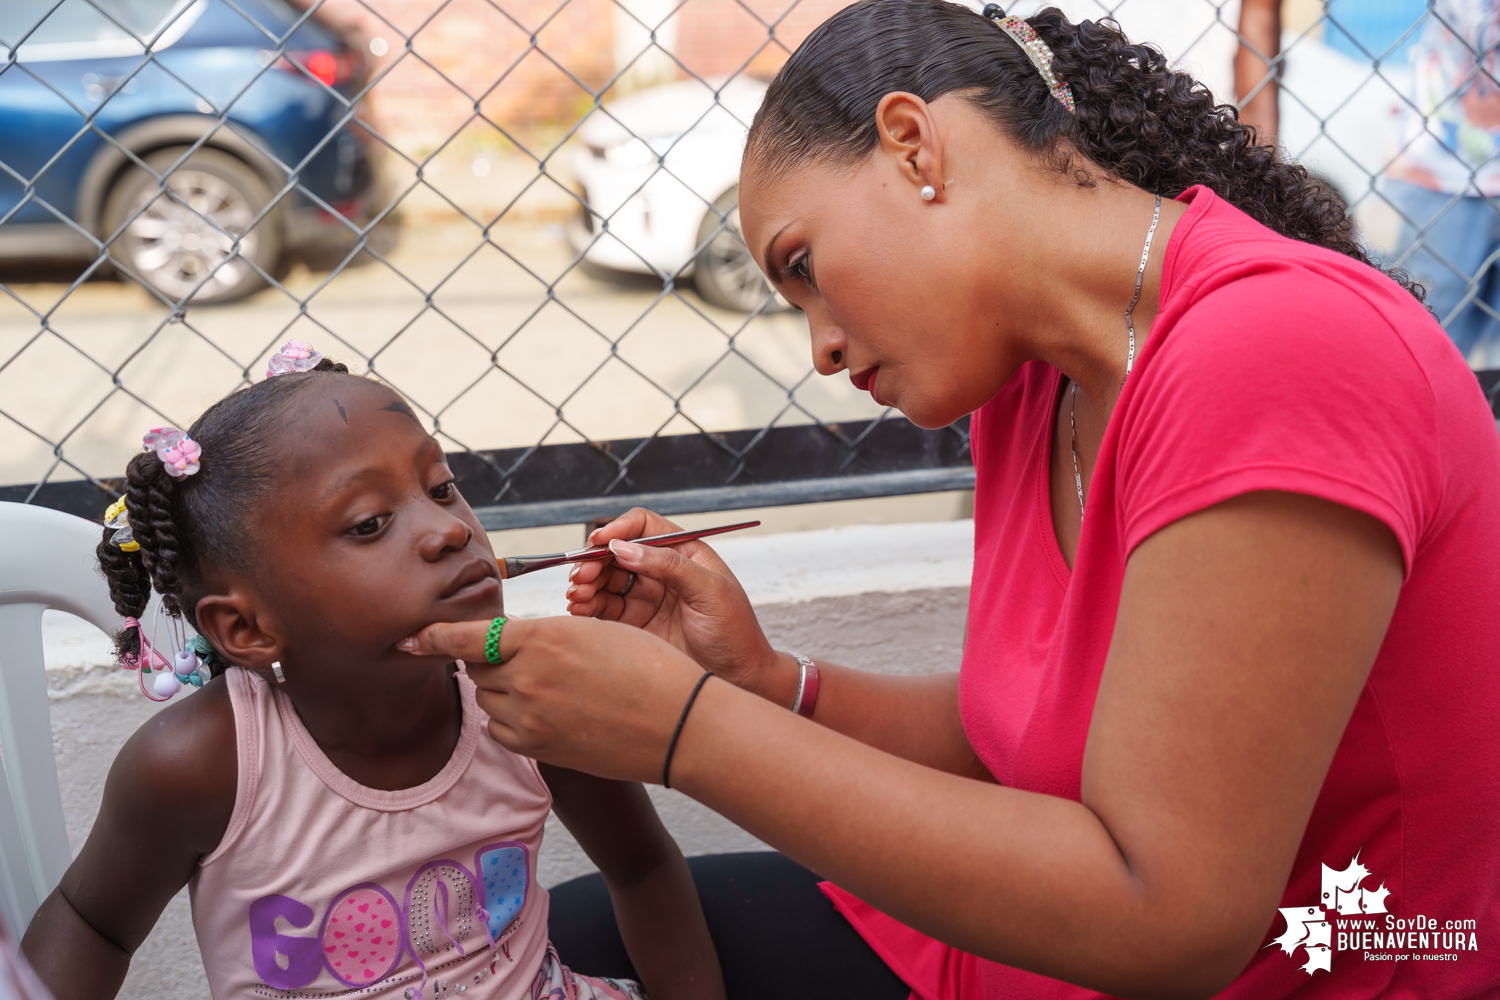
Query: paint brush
[514, 566]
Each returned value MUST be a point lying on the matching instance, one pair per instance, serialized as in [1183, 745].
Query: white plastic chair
[46, 561]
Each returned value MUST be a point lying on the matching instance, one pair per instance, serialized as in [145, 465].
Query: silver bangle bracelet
[805, 664]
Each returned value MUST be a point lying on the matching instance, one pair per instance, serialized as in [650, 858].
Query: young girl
[345, 824]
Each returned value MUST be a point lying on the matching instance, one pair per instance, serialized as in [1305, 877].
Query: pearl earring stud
[928, 192]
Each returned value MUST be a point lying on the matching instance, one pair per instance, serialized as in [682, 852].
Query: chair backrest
[47, 561]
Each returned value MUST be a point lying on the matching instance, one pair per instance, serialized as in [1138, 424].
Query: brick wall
[487, 59]
[717, 37]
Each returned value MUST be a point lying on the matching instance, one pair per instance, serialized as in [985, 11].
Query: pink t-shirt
[325, 888]
[1272, 365]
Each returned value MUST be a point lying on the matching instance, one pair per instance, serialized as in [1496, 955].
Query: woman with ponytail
[1225, 718]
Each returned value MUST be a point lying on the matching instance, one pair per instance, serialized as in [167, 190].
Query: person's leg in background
[1446, 243]
[1486, 350]
[778, 936]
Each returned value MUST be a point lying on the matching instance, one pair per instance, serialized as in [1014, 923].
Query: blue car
[181, 213]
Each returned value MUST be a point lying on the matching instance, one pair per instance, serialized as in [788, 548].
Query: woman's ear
[232, 623]
[909, 138]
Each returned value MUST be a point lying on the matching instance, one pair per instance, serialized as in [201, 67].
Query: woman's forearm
[913, 717]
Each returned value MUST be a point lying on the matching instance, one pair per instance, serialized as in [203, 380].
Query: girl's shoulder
[179, 771]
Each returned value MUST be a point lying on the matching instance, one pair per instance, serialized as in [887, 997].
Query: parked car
[659, 173]
[177, 234]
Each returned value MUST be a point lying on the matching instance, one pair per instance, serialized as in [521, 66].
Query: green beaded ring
[492, 640]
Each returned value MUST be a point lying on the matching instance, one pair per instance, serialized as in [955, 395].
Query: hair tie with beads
[206, 653]
[148, 659]
[1036, 50]
[171, 674]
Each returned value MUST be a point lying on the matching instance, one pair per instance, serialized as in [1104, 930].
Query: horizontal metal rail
[582, 511]
[568, 477]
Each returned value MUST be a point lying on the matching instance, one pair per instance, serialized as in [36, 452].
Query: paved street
[431, 320]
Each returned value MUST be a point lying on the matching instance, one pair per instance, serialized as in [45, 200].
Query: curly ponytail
[178, 523]
[129, 588]
[1137, 119]
[148, 497]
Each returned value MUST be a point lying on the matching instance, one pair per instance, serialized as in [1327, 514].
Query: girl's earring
[928, 192]
[276, 669]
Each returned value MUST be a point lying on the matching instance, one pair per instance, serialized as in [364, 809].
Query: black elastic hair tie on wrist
[666, 767]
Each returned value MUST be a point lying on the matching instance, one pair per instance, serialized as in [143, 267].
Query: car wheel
[725, 272]
[179, 233]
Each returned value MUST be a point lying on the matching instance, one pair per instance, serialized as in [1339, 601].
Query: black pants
[778, 936]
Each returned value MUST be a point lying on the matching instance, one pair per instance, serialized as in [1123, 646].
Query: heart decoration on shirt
[503, 871]
[361, 939]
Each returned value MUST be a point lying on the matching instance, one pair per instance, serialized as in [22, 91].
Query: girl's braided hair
[1137, 119]
[182, 523]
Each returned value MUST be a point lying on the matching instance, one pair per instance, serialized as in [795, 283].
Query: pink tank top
[322, 887]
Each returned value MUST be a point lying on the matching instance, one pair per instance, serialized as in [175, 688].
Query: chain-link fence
[522, 214]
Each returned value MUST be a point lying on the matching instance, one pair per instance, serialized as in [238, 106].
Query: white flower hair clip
[179, 453]
[294, 356]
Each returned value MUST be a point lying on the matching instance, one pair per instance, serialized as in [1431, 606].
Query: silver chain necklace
[1140, 274]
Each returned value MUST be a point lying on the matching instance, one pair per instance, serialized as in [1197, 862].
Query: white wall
[889, 598]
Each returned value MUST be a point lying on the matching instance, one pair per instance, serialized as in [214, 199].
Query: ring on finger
[492, 640]
[629, 582]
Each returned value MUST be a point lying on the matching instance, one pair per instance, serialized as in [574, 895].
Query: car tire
[181, 241]
[725, 272]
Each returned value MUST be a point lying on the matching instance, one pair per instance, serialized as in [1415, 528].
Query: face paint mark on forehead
[341, 410]
[400, 407]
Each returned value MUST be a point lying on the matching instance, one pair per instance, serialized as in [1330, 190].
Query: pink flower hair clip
[294, 356]
[179, 453]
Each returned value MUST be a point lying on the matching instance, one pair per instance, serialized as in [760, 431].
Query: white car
[659, 171]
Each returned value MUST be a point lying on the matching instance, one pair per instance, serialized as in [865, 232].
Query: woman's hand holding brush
[684, 594]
